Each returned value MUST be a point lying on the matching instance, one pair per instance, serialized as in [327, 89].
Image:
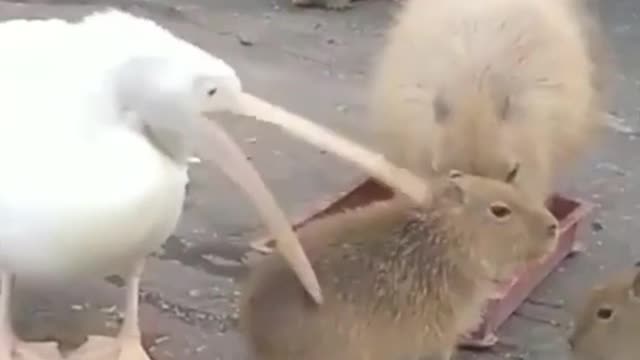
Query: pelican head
[173, 104]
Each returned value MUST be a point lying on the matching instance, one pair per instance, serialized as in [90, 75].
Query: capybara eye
[455, 174]
[500, 210]
[440, 109]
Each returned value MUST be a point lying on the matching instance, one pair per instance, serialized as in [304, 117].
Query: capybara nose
[552, 230]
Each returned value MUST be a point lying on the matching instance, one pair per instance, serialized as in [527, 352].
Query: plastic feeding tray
[569, 213]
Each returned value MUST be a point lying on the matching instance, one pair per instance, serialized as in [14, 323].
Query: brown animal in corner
[507, 89]
[398, 279]
[608, 325]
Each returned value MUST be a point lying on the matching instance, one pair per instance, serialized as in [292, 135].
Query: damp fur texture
[508, 89]
[398, 279]
[607, 326]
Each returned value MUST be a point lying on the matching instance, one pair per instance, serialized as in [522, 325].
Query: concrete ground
[316, 63]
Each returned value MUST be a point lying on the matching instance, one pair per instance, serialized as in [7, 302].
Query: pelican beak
[216, 146]
[373, 163]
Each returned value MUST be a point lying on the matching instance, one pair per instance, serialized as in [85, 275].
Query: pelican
[98, 121]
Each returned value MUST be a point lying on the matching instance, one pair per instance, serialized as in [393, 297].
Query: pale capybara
[507, 89]
[607, 326]
[399, 280]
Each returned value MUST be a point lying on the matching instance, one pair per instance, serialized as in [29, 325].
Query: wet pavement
[316, 63]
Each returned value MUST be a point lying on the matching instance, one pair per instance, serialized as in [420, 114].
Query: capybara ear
[454, 192]
[513, 174]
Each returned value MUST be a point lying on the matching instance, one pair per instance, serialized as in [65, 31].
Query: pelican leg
[7, 338]
[128, 344]
[130, 337]
[10, 347]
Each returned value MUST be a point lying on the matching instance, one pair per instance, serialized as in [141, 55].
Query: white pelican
[97, 123]
[95, 139]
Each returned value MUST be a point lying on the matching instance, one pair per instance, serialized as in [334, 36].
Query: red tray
[568, 211]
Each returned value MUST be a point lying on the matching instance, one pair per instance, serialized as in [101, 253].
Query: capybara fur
[399, 279]
[607, 326]
[507, 89]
